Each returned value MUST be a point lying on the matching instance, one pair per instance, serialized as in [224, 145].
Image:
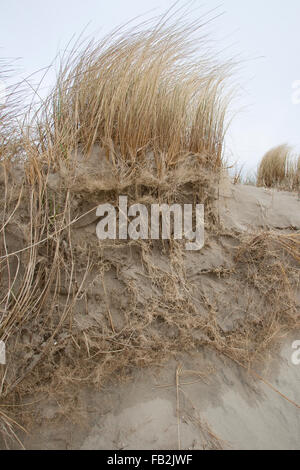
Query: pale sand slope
[245, 414]
[247, 206]
[228, 403]
[227, 409]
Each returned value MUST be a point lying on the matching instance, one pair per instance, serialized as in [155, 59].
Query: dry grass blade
[266, 382]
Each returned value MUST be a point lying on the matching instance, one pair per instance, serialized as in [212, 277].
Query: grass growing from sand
[279, 168]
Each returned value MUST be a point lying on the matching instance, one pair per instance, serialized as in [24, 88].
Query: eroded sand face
[224, 406]
[226, 409]
[243, 206]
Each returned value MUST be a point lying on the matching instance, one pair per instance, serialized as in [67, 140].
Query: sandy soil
[242, 207]
[223, 407]
[198, 401]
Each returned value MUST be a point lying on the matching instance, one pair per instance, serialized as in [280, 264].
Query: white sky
[265, 33]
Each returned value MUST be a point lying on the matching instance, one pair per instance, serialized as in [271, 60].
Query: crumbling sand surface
[220, 406]
[243, 207]
[200, 399]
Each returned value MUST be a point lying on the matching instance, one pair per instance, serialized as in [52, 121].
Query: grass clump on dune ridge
[153, 88]
[279, 168]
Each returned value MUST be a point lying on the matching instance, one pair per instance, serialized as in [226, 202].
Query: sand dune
[215, 402]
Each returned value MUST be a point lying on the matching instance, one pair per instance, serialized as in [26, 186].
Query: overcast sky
[265, 33]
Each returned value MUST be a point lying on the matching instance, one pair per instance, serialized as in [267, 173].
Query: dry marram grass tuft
[279, 168]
